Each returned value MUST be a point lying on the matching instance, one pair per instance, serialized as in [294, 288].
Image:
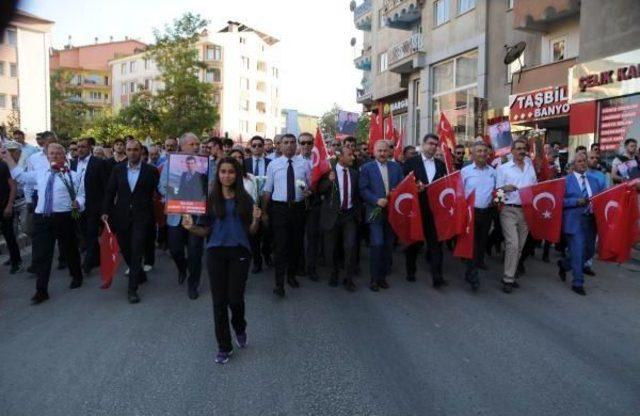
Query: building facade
[89, 68]
[24, 74]
[295, 122]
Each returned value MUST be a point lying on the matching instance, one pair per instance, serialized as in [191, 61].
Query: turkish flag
[375, 129]
[388, 128]
[399, 143]
[465, 242]
[109, 258]
[542, 207]
[404, 211]
[448, 205]
[448, 158]
[445, 132]
[616, 214]
[320, 159]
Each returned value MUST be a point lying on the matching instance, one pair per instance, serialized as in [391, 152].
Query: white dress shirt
[82, 166]
[260, 163]
[340, 174]
[36, 162]
[429, 167]
[482, 180]
[61, 199]
[586, 182]
[276, 182]
[510, 174]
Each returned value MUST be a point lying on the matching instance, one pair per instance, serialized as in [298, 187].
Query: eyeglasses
[306, 143]
[459, 153]
[255, 146]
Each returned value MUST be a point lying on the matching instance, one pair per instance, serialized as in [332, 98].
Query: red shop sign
[550, 102]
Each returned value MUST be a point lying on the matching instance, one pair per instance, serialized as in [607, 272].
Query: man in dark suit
[426, 169]
[192, 183]
[128, 206]
[377, 179]
[93, 173]
[260, 241]
[339, 215]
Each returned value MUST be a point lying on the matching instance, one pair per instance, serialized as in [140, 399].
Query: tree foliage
[142, 116]
[106, 127]
[329, 122]
[362, 132]
[68, 111]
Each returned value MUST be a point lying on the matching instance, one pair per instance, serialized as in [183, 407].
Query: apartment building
[241, 64]
[24, 74]
[295, 122]
[89, 67]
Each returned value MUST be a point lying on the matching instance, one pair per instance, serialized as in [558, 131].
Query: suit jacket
[95, 181]
[416, 165]
[571, 212]
[194, 189]
[330, 206]
[248, 164]
[125, 207]
[372, 187]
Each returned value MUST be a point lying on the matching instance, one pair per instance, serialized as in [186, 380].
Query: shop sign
[619, 119]
[539, 105]
[400, 106]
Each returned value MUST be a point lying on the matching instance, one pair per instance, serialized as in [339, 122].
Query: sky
[316, 56]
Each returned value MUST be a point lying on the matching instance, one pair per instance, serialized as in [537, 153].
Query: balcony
[407, 56]
[363, 62]
[402, 14]
[364, 96]
[362, 16]
[540, 15]
[542, 76]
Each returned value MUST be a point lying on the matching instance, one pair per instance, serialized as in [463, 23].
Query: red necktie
[345, 190]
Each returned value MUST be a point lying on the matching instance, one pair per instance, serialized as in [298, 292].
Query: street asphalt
[408, 350]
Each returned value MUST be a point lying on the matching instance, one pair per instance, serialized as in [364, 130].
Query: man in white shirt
[511, 176]
[60, 199]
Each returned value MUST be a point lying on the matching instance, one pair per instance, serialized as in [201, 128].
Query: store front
[605, 102]
[396, 107]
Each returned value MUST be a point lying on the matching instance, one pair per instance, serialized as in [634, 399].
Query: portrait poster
[187, 184]
[347, 123]
[500, 135]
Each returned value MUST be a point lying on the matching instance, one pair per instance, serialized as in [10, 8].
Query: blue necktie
[48, 195]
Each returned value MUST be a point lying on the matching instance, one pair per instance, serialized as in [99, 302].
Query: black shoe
[440, 283]
[279, 291]
[411, 278]
[561, 271]
[333, 282]
[349, 285]
[133, 296]
[31, 269]
[588, 271]
[256, 269]
[383, 284]
[374, 287]
[182, 276]
[193, 294]
[579, 290]
[507, 287]
[293, 282]
[75, 284]
[15, 269]
[515, 284]
[314, 276]
[268, 262]
[62, 265]
[545, 258]
[39, 297]
[483, 266]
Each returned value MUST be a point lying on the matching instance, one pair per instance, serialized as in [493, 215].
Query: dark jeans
[46, 230]
[381, 238]
[313, 238]
[288, 238]
[433, 255]
[6, 227]
[150, 246]
[178, 239]
[228, 268]
[89, 231]
[482, 223]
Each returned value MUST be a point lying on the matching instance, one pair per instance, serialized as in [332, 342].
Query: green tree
[329, 122]
[68, 111]
[185, 103]
[106, 127]
[362, 132]
[142, 115]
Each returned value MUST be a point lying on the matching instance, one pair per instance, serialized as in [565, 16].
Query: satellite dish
[352, 5]
[353, 42]
[514, 52]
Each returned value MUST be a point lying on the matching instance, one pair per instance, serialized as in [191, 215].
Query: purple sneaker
[223, 357]
[241, 340]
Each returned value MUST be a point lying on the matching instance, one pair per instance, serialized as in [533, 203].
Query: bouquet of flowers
[64, 173]
[301, 184]
[260, 181]
[499, 198]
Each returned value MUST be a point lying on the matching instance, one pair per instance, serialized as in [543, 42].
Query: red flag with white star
[465, 242]
[542, 207]
[448, 205]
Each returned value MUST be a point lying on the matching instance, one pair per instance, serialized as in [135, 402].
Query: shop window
[558, 48]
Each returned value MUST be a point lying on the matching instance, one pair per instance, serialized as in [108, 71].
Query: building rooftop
[240, 27]
[32, 17]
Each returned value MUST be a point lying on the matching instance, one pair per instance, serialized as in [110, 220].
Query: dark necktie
[291, 183]
[345, 190]
[48, 195]
[256, 170]
[583, 184]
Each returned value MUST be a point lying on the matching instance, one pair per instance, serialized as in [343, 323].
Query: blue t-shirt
[228, 231]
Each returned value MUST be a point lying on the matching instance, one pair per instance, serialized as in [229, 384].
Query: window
[125, 88]
[246, 63]
[244, 126]
[509, 4]
[261, 128]
[106, 80]
[244, 84]
[261, 107]
[106, 96]
[381, 20]
[132, 87]
[14, 102]
[243, 40]
[216, 98]
[558, 48]
[132, 66]
[3, 100]
[212, 75]
[465, 5]
[244, 105]
[95, 95]
[13, 70]
[147, 84]
[12, 37]
[123, 69]
[1, 68]
[441, 12]
[455, 84]
[261, 86]
[383, 62]
[275, 72]
[147, 64]
[213, 53]
[262, 66]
